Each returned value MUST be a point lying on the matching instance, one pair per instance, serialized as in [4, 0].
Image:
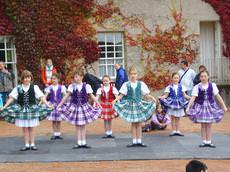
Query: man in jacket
[121, 76]
[6, 81]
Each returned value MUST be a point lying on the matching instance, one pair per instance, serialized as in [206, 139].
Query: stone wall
[158, 12]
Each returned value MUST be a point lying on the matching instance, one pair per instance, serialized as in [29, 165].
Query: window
[111, 46]
[8, 53]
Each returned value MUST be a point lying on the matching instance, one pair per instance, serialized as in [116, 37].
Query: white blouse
[196, 90]
[49, 73]
[175, 88]
[144, 88]
[38, 92]
[55, 88]
[106, 89]
[75, 86]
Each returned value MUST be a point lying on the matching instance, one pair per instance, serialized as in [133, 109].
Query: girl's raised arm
[43, 100]
[149, 96]
[186, 96]
[9, 101]
[192, 99]
[64, 99]
[221, 101]
[164, 96]
[118, 98]
[95, 100]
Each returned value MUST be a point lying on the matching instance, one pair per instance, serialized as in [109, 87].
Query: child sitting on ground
[159, 121]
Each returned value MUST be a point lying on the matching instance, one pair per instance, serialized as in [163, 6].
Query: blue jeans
[5, 96]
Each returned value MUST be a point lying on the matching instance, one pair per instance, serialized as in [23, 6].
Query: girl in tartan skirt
[132, 108]
[26, 113]
[106, 94]
[174, 100]
[54, 94]
[78, 111]
[203, 108]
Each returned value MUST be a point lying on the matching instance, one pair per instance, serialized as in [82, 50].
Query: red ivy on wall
[61, 30]
[160, 48]
[54, 29]
[222, 8]
[6, 27]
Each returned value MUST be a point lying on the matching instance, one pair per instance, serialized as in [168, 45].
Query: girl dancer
[132, 108]
[55, 93]
[26, 113]
[175, 102]
[203, 108]
[106, 94]
[78, 111]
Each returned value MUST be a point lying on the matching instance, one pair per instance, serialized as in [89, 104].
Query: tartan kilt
[174, 103]
[55, 114]
[206, 113]
[16, 111]
[108, 113]
[79, 114]
[134, 111]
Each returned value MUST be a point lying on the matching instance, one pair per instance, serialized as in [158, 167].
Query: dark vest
[205, 94]
[134, 94]
[80, 97]
[110, 97]
[26, 98]
[172, 92]
[55, 98]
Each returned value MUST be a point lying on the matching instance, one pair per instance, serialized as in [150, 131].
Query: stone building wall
[157, 12]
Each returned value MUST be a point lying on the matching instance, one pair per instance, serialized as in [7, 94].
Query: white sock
[32, 144]
[79, 142]
[58, 133]
[27, 145]
[178, 131]
[134, 141]
[110, 132]
[208, 141]
[204, 141]
[138, 140]
[83, 142]
[174, 131]
[107, 133]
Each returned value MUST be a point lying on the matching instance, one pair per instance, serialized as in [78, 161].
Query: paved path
[159, 147]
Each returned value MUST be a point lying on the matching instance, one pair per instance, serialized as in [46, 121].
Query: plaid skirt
[206, 113]
[174, 103]
[79, 114]
[55, 114]
[16, 111]
[135, 111]
[108, 113]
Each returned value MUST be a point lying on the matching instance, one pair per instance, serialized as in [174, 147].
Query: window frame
[114, 52]
[12, 49]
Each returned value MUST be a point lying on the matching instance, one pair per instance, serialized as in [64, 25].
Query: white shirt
[38, 92]
[75, 86]
[106, 89]
[55, 88]
[144, 88]
[187, 80]
[196, 90]
[175, 88]
[49, 73]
